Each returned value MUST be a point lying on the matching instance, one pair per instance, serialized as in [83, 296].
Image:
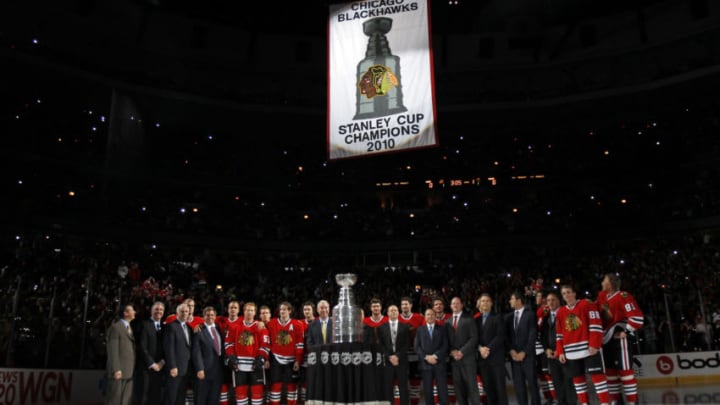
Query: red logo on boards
[665, 365]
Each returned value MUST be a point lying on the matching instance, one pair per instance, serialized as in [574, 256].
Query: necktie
[216, 339]
[485, 316]
[552, 318]
[393, 333]
[128, 330]
[517, 319]
[430, 328]
[324, 331]
[455, 319]
[157, 326]
[187, 334]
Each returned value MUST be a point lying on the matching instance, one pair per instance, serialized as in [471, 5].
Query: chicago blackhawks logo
[605, 312]
[283, 338]
[246, 339]
[572, 323]
[377, 81]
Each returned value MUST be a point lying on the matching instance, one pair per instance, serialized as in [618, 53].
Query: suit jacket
[464, 337]
[313, 336]
[548, 333]
[150, 348]
[204, 356]
[177, 349]
[120, 350]
[425, 345]
[402, 341]
[523, 338]
[492, 335]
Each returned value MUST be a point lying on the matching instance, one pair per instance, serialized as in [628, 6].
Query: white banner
[36, 386]
[381, 93]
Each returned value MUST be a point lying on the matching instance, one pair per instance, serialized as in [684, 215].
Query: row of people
[228, 358]
[204, 360]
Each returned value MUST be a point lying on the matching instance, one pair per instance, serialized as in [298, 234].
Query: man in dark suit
[320, 330]
[177, 343]
[395, 342]
[562, 381]
[491, 347]
[462, 339]
[431, 346]
[151, 358]
[521, 328]
[121, 359]
[208, 354]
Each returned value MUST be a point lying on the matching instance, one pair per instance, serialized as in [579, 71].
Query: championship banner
[381, 93]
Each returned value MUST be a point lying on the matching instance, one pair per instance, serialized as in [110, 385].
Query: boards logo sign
[710, 362]
[665, 365]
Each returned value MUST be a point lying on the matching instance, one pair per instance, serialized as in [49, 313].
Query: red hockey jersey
[578, 328]
[286, 340]
[619, 310]
[245, 342]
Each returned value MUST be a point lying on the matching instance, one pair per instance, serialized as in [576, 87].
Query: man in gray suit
[463, 339]
[177, 344]
[121, 359]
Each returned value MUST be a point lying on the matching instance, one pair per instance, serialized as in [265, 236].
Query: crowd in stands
[45, 288]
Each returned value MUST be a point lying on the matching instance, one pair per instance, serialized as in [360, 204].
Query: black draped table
[347, 373]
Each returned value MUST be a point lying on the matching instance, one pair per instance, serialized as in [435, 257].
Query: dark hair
[123, 308]
[518, 296]
[288, 305]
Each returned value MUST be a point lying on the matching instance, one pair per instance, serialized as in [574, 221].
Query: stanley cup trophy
[379, 90]
[347, 318]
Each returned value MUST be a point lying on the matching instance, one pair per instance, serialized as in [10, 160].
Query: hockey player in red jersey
[579, 341]
[372, 322]
[248, 348]
[621, 318]
[287, 347]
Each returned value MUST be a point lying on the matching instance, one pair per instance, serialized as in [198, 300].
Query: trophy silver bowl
[347, 317]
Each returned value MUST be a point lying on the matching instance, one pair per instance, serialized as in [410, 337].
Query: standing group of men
[453, 358]
[213, 359]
